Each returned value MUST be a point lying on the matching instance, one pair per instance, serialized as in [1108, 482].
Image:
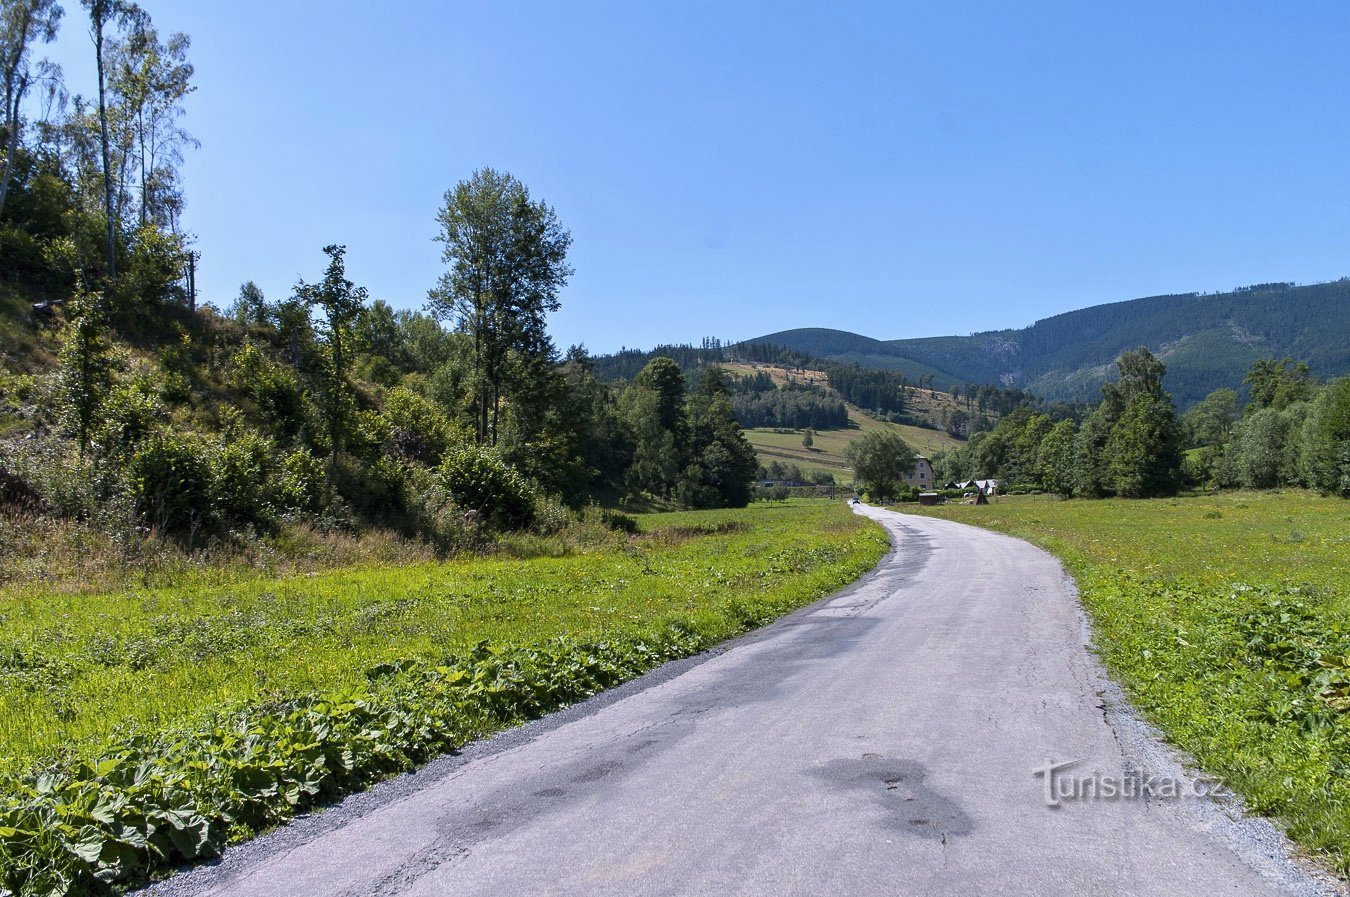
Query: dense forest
[128, 407]
[758, 402]
[1207, 341]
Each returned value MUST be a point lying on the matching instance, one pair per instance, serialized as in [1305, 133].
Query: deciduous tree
[880, 460]
[23, 24]
[340, 301]
[507, 260]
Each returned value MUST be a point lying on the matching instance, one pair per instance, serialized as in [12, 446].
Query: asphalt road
[882, 742]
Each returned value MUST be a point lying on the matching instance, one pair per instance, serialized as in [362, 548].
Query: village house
[922, 474]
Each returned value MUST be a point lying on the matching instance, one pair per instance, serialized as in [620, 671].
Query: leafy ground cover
[143, 727]
[1227, 620]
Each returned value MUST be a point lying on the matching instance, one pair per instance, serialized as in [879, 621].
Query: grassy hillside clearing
[173, 720]
[827, 449]
[779, 375]
[1227, 620]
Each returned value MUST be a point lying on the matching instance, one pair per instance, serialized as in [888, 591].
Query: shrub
[171, 483]
[240, 489]
[610, 519]
[550, 515]
[175, 363]
[274, 389]
[418, 429]
[299, 483]
[477, 478]
[130, 414]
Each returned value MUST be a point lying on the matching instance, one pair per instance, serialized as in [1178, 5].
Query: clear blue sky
[732, 169]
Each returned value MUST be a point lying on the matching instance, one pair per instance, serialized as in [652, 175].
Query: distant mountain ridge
[1208, 341]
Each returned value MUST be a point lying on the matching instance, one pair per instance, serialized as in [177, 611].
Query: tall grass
[78, 666]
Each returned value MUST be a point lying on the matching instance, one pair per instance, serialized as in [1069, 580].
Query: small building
[988, 487]
[922, 474]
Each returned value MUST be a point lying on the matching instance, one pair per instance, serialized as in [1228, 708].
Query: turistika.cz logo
[1059, 783]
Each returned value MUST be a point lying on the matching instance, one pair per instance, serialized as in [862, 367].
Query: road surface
[883, 742]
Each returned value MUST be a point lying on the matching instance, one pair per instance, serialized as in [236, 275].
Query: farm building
[989, 487]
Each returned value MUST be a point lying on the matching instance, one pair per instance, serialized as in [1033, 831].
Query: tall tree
[150, 79]
[1131, 444]
[341, 303]
[1210, 422]
[23, 23]
[1055, 458]
[507, 258]
[1326, 439]
[103, 13]
[654, 410]
[1278, 384]
[722, 462]
[1143, 454]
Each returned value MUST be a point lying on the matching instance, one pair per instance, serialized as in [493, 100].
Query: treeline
[1133, 444]
[1292, 433]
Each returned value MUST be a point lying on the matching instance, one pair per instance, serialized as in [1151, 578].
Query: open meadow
[146, 726]
[79, 666]
[827, 449]
[1227, 620]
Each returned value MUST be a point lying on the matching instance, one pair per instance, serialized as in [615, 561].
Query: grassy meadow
[1227, 620]
[77, 667]
[827, 449]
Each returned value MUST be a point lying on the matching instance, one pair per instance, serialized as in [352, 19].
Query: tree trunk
[13, 114]
[496, 407]
[140, 140]
[101, 16]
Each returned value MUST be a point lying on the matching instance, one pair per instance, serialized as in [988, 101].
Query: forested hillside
[131, 414]
[1207, 341]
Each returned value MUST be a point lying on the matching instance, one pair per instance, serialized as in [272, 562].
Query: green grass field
[1227, 620]
[827, 449]
[78, 667]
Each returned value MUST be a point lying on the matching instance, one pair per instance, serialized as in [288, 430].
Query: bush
[171, 484]
[274, 389]
[550, 515]
[241, 488]
[300, 483]
[130, 414]
[477, 478]
[418, 429]
[21, 255]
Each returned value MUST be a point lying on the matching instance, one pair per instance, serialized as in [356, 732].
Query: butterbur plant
[150, 803]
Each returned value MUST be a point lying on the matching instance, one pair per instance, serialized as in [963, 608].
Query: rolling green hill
[1207, 340]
